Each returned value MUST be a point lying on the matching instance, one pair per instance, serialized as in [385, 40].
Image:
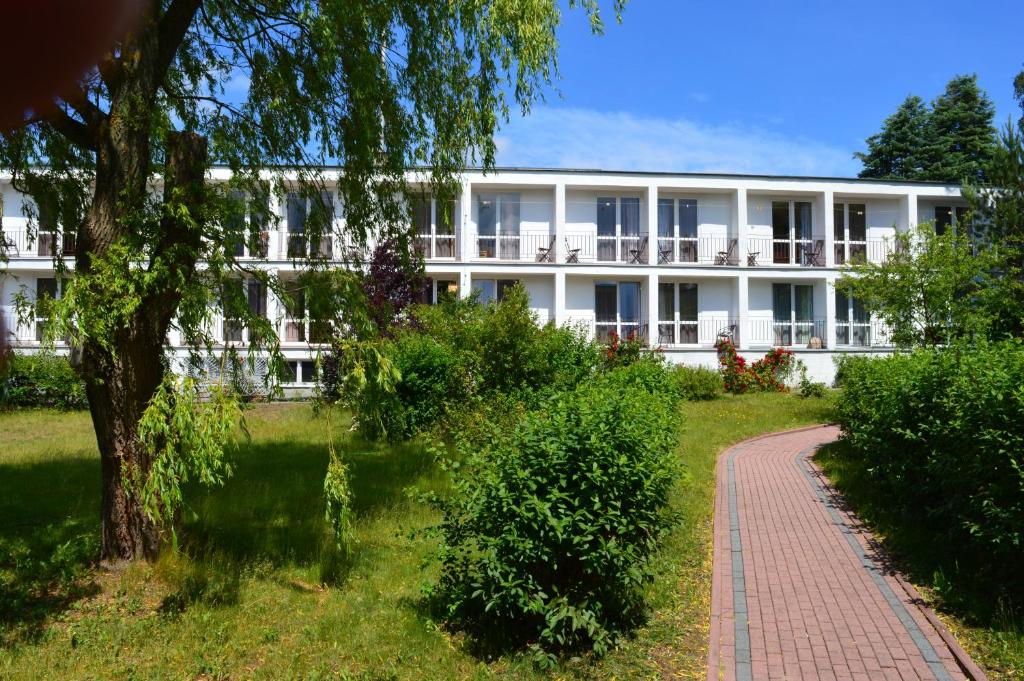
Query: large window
[310, 224]
[436, 290]
[792, 229]
[677, 230]
[853, 324]
[254, 293]
[617, 309]
[246, 228]
[677, 314]
[493, 290]
[951, 217]
[47, 290]
[618, 229]
[850, 230]
[434, 226]
[793, 314]
[498, 218]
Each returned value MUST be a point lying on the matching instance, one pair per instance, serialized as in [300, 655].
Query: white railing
[807, 333]
[766, 251]
[695, 333]
[588, 247]
[436, 246]
[525, 246]
[871, 334]
[17, 333]
[870, 250]
[19, 243]
[293, 331]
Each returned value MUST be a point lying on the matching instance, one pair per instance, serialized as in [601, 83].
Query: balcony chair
[663, 255]
[546, 254]
[571, 254]
[727, 257]
[727, 333]
[688, 251]
[636, 254]
[814, 258]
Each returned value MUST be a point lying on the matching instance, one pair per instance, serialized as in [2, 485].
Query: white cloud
[583, 138]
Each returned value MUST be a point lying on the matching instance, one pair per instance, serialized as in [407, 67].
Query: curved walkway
[800, 590]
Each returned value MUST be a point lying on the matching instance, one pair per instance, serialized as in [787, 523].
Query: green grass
[990, 631]
[259, 590]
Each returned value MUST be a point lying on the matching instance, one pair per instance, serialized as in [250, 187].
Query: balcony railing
[304, 332]
[705, 250]
[872, 334]
[18, 243]
[436, 246]
[526, 246]
[765, 251]
[871, 250]
[801, 333]
[696, 333]
[587, 247]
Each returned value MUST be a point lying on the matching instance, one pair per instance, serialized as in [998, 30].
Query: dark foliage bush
[941, 433]
[695, 383]
[41, 380]
[548, 536]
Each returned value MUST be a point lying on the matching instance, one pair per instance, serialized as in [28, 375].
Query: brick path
[797, 590]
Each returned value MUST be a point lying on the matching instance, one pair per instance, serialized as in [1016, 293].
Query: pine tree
[960, 138]
[1018, 94]
[894, 152]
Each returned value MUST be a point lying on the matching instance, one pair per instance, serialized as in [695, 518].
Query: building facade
[680, 259]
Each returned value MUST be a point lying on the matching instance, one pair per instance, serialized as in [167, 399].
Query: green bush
[548, 536]
[695, 383]
[42, 380]
[941, 435]
[433, 378]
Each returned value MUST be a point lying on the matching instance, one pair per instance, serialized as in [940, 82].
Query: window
[677, 224]
[677, 314]
[301, 371]
[853, 324]
[254, 295]
[310, 225]
[618, 229]
[435, 291]
[434, 226]
[498, 221]
[246, 225]
[492, 290]
[47, 289]
[952, 217]
[850, 231]
[617, 309]
[792, 231]
[793, 315]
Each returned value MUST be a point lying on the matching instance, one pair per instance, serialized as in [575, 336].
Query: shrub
[695, 383]
[767, 374]
[809, 388]
[624, 351]
[940, 434]
[42, 380]
[548, 536]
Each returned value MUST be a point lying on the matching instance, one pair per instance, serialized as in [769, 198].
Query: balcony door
[792, 231]
[853, 324]
[617, 309]
[677, 230]
[677, 314]
[793, 314]
[850, 231]
[618, 229]
[434, 228]
[310, 223]
[498, 221]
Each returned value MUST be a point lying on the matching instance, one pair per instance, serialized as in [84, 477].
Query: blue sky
[757, 87]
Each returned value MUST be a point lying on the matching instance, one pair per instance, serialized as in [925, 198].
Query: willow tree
[375, 86]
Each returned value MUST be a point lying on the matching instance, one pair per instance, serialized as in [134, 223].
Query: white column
[274, 307]
[742, 303]
[652, 226]
[908, 212]
[560, 298]
[560, 225]
[465, 226]
[827, 202]
[739, 216]
[830, 313]
[652, 309]
[275, 240]
[465, 283]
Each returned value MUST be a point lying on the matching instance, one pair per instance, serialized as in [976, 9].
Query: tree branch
[171, 32]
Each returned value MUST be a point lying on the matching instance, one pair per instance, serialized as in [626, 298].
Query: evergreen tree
[959, 136]
[895, 151]
[1018, 94]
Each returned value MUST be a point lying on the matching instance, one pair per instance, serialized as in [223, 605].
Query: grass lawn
[989, 631]
[258, 589]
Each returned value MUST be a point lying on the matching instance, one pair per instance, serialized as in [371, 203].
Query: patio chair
[727, 333]
[571, 254]
[813, 258]
[727, 257]
[637, 254]
[663, 255]
[546, 254]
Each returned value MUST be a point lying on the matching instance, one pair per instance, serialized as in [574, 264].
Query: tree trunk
[121, 383]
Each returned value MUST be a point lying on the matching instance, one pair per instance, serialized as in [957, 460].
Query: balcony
[18, 243]
[435, 246]
[795, 333]
[697, 333]
[870, 334]
[766, 251]
[709, 250]
[295, 331]
[524, 246]
[588, 247]
[875, 251]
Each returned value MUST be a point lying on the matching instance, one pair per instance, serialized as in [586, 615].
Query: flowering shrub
[621, 353]
[767, 374]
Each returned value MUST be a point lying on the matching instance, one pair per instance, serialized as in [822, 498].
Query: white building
[678, 258]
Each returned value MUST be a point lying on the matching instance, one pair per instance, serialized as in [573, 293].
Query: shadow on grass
[268, 514]
[49, 537]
